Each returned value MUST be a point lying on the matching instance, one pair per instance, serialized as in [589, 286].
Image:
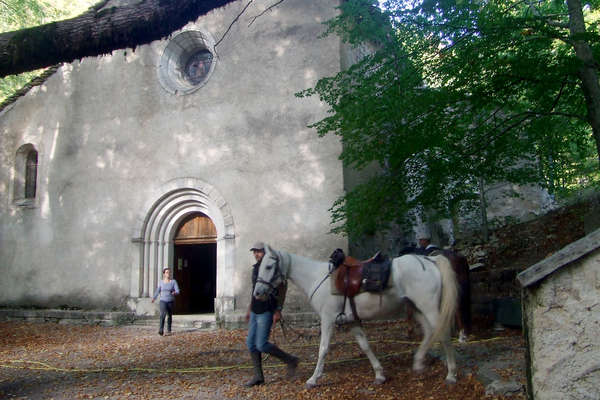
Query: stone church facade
[181, 154]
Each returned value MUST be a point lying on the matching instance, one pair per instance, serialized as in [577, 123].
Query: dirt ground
[52, 361]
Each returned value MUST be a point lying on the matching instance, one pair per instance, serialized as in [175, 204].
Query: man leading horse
[262, 314]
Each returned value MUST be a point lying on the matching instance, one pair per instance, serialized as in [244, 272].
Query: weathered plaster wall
[110, 139]
[563, 325]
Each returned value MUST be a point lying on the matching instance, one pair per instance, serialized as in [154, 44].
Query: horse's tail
[448, 302]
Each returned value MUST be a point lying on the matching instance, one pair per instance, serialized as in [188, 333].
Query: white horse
[428, 282]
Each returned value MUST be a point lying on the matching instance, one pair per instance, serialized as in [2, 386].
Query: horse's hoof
[418, 369]
[310, 385]
[451, 381]
[380, 381]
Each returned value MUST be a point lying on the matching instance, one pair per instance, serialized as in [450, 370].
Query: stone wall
[120, 155]
[513, 248]
[562, 316]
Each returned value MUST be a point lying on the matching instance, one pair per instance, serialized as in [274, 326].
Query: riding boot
[290, 360]
[258, 377]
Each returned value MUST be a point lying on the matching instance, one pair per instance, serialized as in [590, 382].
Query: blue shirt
[166, 290]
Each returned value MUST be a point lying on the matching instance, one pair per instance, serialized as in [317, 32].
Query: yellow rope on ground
[454, 341]
[43, 366]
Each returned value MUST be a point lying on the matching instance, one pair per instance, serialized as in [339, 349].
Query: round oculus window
[198, 66]
[187, 62]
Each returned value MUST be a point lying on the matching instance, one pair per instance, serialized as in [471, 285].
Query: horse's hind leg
[326, 332]
[361, 338]
[450, 358]
[425, 343]
[447, 347]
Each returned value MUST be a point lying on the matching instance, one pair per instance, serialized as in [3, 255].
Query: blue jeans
[259, 330]
[166, 310]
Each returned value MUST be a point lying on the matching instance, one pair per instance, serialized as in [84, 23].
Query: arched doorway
[158, 225]
[195, 264]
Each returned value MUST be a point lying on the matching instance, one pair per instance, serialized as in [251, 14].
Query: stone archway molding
[155, 230]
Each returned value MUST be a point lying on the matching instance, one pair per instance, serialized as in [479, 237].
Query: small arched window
[31, 174]
[25, 182]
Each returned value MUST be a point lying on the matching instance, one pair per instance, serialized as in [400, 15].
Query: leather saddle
[351, 275]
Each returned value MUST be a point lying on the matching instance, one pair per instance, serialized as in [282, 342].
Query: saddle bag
[376, 274]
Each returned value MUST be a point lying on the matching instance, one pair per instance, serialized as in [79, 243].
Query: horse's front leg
[361, 338]
[326, 332]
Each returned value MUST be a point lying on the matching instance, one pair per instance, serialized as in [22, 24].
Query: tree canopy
[460, 95]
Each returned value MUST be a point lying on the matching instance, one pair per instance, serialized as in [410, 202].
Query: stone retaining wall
[75, 317]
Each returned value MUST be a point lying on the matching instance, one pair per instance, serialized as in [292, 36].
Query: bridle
[278, 276]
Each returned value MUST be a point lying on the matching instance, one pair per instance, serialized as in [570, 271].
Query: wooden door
[196, 229]
[195, 264]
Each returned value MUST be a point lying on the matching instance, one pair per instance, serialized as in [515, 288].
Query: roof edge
[565, 256]
[37, 81]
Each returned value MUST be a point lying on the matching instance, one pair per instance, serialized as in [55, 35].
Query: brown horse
[463, 311]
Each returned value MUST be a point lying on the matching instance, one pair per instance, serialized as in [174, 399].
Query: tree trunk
[126, 23]
[483, 209]
[588, 73]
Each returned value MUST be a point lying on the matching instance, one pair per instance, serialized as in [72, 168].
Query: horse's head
[270, 275]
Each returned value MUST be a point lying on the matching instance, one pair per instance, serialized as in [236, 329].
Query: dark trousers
[166, 310]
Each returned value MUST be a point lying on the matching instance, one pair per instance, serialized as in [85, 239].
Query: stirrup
[341, 319]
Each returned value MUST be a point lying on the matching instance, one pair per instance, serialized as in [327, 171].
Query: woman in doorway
[167, 289]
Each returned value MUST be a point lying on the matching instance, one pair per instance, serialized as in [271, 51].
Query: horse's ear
[268, 249]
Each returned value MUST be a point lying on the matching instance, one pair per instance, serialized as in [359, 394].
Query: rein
[421, 262]
[299, 335]
[320, 283]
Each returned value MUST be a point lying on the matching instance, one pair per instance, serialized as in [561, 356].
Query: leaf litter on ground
[48, 360]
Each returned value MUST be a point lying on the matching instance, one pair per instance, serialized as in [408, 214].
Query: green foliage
[456, 92]
[19, 14]
[11, 84]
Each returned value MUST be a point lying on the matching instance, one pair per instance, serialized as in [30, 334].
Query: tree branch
[233, 22]
[559, 95]
[519, 119]
[265, 11]
[97, 32]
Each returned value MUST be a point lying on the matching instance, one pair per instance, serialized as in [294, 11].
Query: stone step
[180, 321]
[79, 317]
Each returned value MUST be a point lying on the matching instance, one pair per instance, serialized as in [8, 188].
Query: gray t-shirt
[166, 290]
